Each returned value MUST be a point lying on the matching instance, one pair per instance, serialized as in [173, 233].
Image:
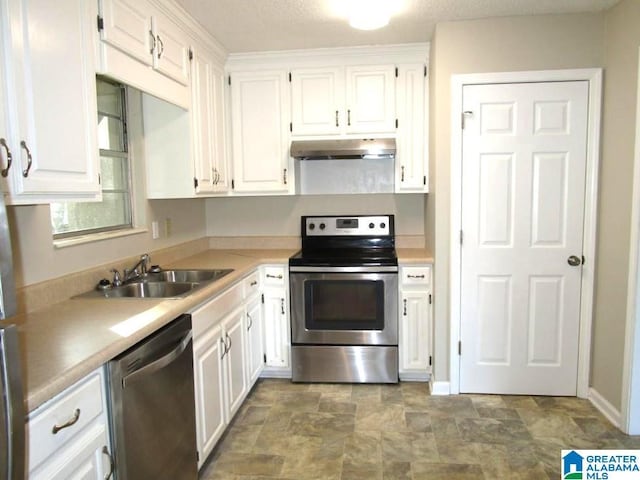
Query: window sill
[97, 237]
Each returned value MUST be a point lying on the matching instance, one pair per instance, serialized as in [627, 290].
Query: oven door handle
[354, 269]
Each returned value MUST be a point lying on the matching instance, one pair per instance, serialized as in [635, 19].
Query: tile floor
[392, 432]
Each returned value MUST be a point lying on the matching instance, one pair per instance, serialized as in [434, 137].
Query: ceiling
[262, 25]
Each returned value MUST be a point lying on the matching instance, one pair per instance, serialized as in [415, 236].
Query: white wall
[280, 216]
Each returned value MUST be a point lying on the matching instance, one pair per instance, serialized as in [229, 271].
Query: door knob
[574, 261]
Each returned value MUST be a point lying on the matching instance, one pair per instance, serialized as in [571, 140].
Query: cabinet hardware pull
[25, 173]
[5, 171]
[68, 423]
[250, 322]
[402, 173]
[337, 119]
[224, 352]
[284, 176]
[279, 276]
[153, 42]
[404, 309]
[282, 306]
[348, 118]
[230, 343]
[105, 451]
[161, 49]
[255, 282]
[415, 276]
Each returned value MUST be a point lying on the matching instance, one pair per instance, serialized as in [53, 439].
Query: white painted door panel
[371, 99]
[171, 55]
[127, 26]
[524, 156]
[317, 98]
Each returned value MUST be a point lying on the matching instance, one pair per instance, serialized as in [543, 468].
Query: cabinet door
[371, 99]
[84, 459]
[317, 100]
[53, 82]
[171, 54]
[218, 132]
[259, 114]
[202, 120]
[411, 156]
[276, 328]
[127, 26]
[209, 390]
[234, 336]
[415, 332]
[5, 137]
[255, 350]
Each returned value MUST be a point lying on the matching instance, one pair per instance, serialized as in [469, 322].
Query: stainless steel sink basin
[151, 290]
[187, 275]
[175, 283]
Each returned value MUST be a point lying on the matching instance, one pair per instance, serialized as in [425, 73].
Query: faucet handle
[117, 279]
[145, 261]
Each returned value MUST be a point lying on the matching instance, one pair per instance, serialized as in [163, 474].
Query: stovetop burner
[347, 241]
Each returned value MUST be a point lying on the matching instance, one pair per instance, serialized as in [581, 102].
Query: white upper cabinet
[371, 99]
[50, 117]
[144, 44]
[208, 124]
[260, 120]
[412, 139]
[339, 100]
[317, 100]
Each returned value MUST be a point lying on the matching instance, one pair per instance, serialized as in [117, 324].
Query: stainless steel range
[344, 300]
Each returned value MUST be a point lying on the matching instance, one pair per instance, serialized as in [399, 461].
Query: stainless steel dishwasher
[152, 407]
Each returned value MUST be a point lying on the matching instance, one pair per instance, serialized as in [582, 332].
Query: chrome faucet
[138, 270]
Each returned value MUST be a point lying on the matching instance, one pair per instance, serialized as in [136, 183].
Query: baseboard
[275, 373]
[414, 377]
[440, 388]
[608, 410]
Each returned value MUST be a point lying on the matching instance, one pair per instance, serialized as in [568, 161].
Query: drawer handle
[254, 283]
[5, 171]
[279, 277]
[105, 451]
[70, 422]
[25, 172]
[415, 276]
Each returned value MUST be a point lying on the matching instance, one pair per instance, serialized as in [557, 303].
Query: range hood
[343, 149]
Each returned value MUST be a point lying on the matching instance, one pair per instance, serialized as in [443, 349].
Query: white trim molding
[630, 415]
[603, 405]
[440, 388]
[594, 77]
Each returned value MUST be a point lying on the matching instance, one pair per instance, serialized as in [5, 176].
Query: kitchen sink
[174, 283]
[150, 290]
[187, 275]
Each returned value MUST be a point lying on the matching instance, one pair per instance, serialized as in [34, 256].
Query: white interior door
[523, 183]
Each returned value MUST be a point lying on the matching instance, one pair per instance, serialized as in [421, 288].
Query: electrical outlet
[167, 227]
[155, 230]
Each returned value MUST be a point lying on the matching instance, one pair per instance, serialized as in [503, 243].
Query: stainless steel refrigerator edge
[12, 415]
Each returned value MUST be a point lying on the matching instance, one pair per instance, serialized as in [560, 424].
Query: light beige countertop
[63, 343]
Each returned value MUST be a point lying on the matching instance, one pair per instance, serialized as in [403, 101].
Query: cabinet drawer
[415, 276]
[274, 276]
[210, 313]
[251, 285]
[76, 407]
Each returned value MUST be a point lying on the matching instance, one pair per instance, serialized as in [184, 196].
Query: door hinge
[429, 299]
[233, 184]
[461, 237]
[197, 456]
[262, 297]
[583, 260]
[229, 80]
[430, 360]
[424, 180]
[264, 356]
[291, 126]
[464, 115]
[100, 183]
[396, 72]
[289, 77]
[425, 70]
[190, 54]
[195, 182]
[459, 347]
[396, 123]
[100, 23]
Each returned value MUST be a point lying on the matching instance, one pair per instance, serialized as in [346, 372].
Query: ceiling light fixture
[370, 14]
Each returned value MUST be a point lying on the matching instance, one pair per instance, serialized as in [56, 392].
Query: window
[114, 212]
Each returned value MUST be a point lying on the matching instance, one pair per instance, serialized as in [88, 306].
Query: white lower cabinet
[277, 344]
[255, 351]
[68, 437]
[415, 323]
[234, 358]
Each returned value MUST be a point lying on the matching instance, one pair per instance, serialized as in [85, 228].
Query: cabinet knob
[5, 171]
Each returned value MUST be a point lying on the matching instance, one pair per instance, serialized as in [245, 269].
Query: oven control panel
[360, 225]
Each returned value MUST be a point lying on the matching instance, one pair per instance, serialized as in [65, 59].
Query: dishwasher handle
[161, 362]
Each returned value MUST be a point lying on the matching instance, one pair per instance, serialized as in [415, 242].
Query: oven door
[343, 307]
